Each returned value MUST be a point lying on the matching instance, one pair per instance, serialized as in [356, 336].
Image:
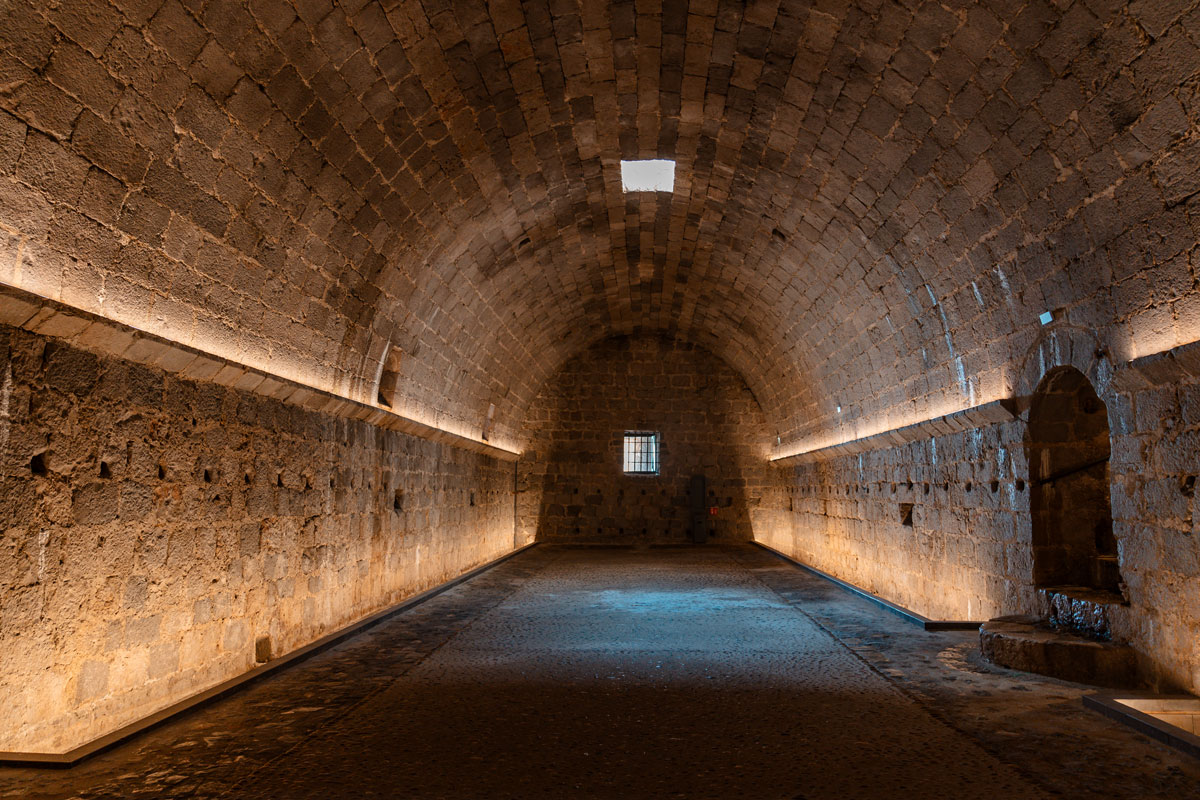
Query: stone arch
[1068, 448]
[1065, 346]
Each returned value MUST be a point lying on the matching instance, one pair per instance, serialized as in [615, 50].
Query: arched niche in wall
[1067, 444]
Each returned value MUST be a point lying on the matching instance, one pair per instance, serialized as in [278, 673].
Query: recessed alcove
[1070, 508]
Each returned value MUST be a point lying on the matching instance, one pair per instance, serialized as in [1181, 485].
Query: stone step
[1031, 645]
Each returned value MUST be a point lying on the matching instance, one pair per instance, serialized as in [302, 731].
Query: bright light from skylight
[1046, 317]
[656, 175]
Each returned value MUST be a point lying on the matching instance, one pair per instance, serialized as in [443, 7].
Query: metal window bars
[641, 453]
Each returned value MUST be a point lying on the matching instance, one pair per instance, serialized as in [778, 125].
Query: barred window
[641, 453]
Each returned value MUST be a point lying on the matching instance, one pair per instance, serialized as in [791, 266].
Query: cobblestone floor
[706, 672]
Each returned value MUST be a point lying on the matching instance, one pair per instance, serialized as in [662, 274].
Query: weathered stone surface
[174, 524]
[966, 553]
[570, 481]
[513, 650]
[969, 552]
[874, 202]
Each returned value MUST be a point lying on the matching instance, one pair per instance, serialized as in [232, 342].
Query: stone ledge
[1181, 363]
[22, 309]
[993, 413]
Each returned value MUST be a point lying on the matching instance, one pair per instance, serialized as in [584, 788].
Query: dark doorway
[1068, 449]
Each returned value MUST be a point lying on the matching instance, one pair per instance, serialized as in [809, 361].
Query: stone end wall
[571, 483]
[155, 528]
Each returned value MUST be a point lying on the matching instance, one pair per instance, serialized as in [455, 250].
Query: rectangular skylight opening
[654, 175]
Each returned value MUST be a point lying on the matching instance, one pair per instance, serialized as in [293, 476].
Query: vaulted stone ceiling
[874, 201]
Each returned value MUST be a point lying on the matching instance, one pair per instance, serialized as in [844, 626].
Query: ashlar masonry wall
[1156, 517]
[154, 529]
[571, 486]
[939, 525]
[968, 550]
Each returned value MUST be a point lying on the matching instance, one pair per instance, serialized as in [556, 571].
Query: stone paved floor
[676, 672]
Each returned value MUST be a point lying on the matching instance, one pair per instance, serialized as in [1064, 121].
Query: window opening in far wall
[641, 453]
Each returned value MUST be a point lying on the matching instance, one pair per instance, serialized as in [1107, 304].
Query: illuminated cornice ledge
[1176, 364]
[37, 314]
[992, 413]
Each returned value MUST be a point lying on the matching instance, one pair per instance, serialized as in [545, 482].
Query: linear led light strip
[996, 411]
[951, 422]
[36, 313]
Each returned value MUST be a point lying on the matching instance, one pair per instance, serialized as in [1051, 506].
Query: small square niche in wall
[655, 175]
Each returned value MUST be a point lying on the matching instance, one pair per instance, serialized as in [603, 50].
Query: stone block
[174, 359]
[249, 381]
[1158, 369]
[105, 146]
[137, 591]
[18, 311]
[60, 324]
[145, 350]
[164, 660]
[229, 374]
[70, 370]
[236, 637]
[49, 167]
[1021, 643]
[142, 630]
[202, 368]
[91, 682]
[106, 337]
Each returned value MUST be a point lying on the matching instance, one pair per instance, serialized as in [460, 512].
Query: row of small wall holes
[398, 500]
[662, 493]
[621, 492]
[620, 531]
[1187, 487]
[37, 465]
[995, 487]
